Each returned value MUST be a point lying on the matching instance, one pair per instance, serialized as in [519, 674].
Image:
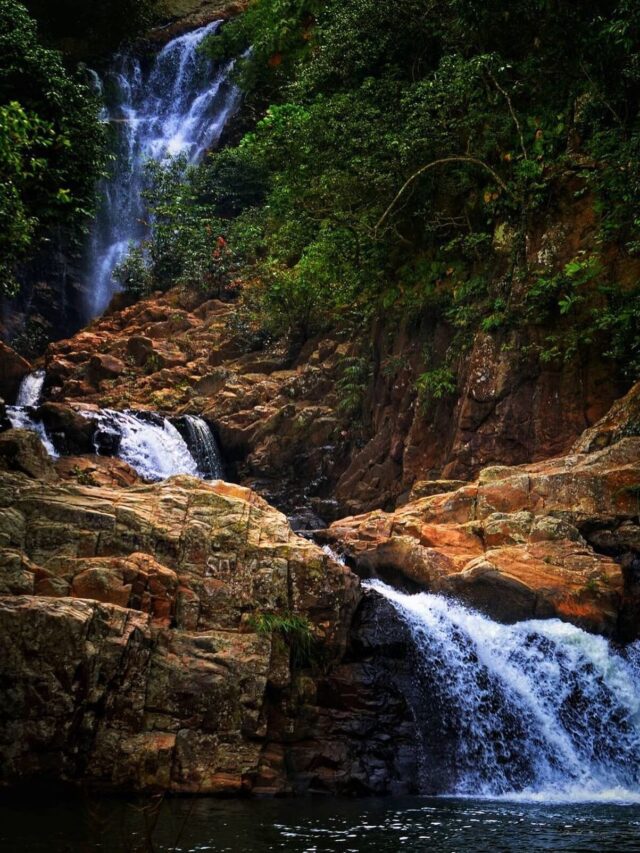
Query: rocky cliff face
[131, 613]
[128, 616]
[556, 539]
[281, 419]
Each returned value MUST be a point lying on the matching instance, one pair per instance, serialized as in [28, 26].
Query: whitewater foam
[536, 711]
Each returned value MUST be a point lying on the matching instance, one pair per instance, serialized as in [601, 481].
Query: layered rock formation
[136, 655]
[556, 538]
[281, 419]
[277, 418]
[130, 628]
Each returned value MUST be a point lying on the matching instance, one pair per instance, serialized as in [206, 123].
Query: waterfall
[30, 390]
[23, 418]
[539, 709]
[22, 415]
[203, 447]
[179, 106]
[149, 443]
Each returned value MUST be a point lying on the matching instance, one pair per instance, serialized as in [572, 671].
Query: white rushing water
[21, 416]
[178, 106]
[154, 447]
[150, 443]
[30, 391]
[203, 448]
[536, 710]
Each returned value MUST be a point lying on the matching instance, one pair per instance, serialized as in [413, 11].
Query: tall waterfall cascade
[537, 710]
[178, 106]
[153, 445]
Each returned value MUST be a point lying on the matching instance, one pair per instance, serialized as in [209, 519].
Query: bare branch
[512, 111]
[454, 159]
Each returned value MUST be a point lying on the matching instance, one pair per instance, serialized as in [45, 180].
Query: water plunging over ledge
[540, 710]
[155, 446]
[179, 106]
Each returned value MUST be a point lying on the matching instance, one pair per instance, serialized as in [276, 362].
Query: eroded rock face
[531, 541]
[277, 418]
[280, 416]
[13, 369]
[131, 659]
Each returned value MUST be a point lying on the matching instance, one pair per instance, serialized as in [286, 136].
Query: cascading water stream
[537, 710]
[203, 448]
[179, 106]
[150, 443]
[21, 416]
[30, 391]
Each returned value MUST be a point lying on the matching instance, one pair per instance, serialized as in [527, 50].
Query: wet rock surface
[132, 659]
[536, 541]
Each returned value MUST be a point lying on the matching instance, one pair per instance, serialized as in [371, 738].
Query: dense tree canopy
[51, 144]
[400, 142]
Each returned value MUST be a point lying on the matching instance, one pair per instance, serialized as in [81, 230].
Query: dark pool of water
[55, 825]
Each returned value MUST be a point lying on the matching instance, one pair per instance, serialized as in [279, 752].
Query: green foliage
[352, 385]
[21, 135]
[436, 384]
[133, 273]
[277, 33]
[51, 144]
[403, 152]
[563, 292]
[291, 628]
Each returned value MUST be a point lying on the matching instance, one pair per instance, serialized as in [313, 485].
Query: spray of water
[22, 415]
[536, 710]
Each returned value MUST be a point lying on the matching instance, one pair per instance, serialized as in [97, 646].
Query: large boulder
[70, 432]
[141, 655]
[533, 541]
[21, 450]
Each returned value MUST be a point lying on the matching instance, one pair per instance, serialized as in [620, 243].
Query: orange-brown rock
[96, 471]
[132, 658]
[277, 418]
[13, 369]
[279, 415]
[519, 543]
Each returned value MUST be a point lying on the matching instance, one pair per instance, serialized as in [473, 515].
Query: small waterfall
[24, 418]
[540, 709]
[179, 106]
[148, 442]
[22, 415]
[203, 447]
[30, 391]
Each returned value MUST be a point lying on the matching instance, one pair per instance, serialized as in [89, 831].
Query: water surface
[311, 826]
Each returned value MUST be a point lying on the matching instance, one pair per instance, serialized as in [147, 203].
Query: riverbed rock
[21, 450]
[68, 430]
[521, 542]
[96, 471]
[133, 657]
